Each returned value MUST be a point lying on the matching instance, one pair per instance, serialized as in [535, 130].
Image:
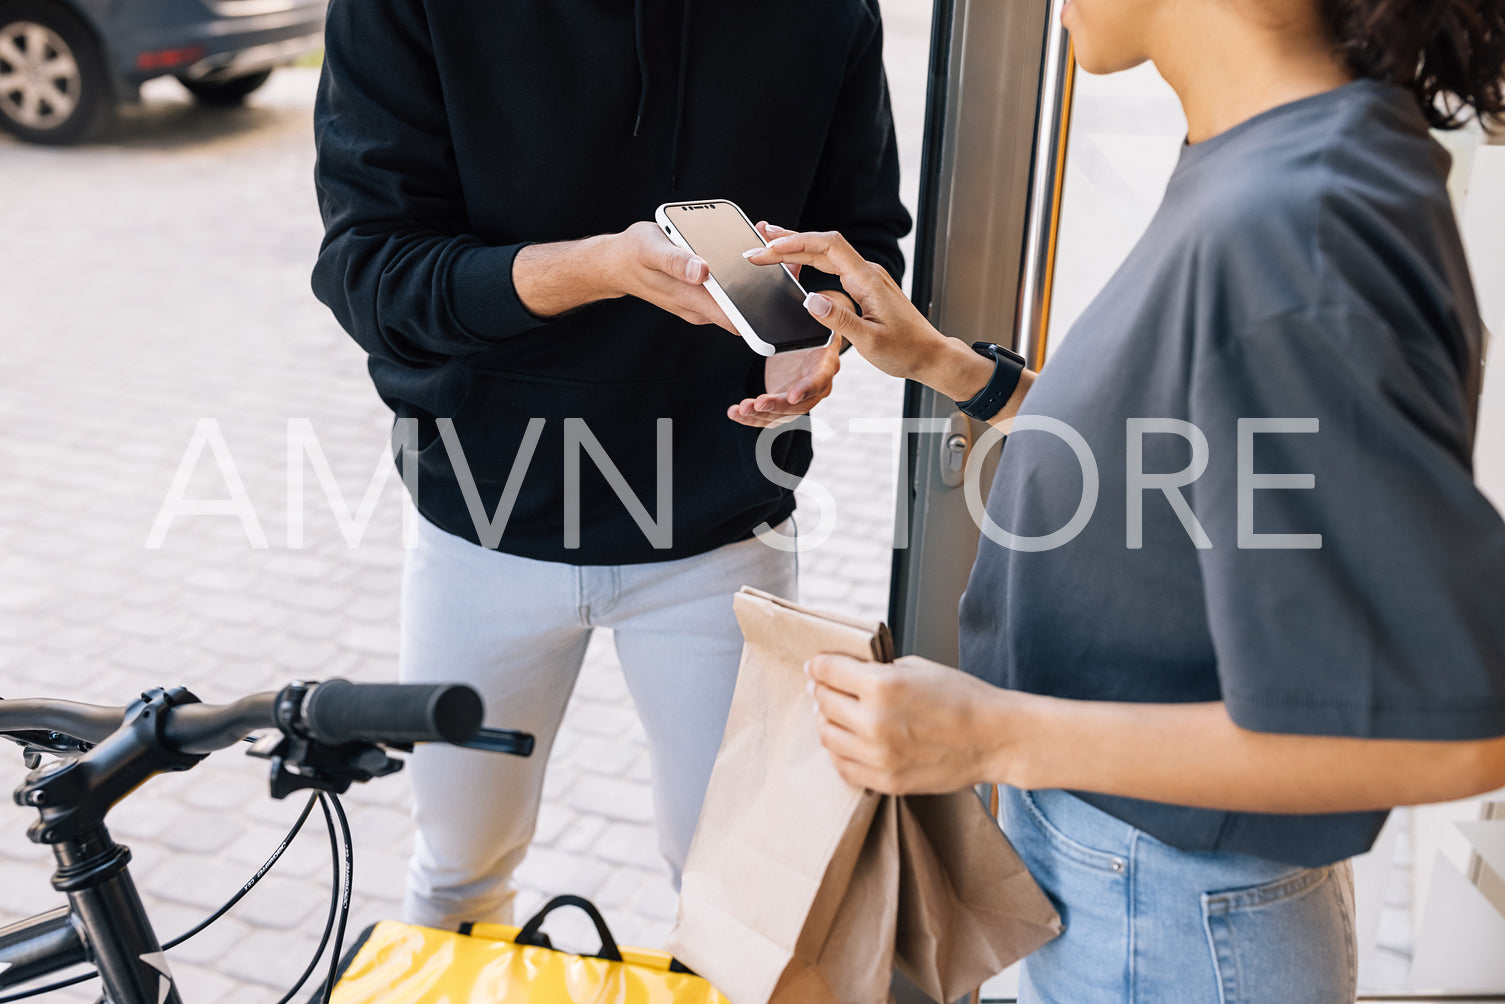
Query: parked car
[66, 64]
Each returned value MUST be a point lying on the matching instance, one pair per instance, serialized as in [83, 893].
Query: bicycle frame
[104, 923]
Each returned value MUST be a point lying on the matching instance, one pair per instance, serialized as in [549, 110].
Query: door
[1000, 79]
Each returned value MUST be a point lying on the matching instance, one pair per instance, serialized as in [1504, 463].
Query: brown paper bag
[968, 908]
[802, 888]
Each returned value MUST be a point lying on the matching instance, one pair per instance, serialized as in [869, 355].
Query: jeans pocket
[1073, 827]
[1289, 940]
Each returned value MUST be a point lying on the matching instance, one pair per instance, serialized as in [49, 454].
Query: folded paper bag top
[803, 888]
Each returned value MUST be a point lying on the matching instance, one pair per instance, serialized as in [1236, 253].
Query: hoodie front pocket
[584, 464]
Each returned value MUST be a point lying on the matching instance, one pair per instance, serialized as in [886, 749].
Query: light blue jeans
[1149, 924]
[516, 629]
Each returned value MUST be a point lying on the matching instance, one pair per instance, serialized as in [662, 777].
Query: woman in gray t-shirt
[1285, 611]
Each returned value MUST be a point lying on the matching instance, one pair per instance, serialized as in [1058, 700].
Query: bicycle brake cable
[326, 991]
[251, 884]
[336, 889]
[59, 985]
[260, 873]
[339, 934]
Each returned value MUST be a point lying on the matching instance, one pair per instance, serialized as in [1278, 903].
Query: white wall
[1484, 234]
[1442, 957]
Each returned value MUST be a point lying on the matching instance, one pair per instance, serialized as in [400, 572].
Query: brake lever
[299, 764]
[501, 741]
[36, 743]
[302, 764]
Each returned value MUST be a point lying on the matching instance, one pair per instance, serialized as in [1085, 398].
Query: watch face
[998, 352]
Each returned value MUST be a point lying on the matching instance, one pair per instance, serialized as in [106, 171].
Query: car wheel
[225, 92]
[53, 86]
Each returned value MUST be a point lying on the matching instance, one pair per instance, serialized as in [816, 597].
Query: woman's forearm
[952, 368]
[1016, 400]
[1194, 754]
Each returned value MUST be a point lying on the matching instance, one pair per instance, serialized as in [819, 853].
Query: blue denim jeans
[1149, 924]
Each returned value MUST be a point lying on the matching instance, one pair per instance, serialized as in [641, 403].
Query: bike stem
[106, 918]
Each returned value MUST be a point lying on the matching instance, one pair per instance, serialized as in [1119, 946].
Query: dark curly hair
[1451, 53]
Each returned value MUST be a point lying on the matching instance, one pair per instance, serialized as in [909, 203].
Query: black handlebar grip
[338, 711]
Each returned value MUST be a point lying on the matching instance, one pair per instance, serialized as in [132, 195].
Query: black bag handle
[531, 933]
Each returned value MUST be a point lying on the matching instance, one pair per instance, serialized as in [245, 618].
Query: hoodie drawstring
[675, 149]
[638, 30]
[640, 39]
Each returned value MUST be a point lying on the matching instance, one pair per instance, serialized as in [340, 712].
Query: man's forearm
[552, 279]
[1194, 754]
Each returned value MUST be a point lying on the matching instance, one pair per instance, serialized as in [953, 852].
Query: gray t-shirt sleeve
[1394, 627]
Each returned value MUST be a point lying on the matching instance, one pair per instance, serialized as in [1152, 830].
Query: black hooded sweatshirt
[453, 132]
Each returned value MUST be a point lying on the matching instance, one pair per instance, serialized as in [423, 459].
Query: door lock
[954, 451]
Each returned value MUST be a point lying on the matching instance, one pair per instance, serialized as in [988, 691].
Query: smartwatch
[1008, 366]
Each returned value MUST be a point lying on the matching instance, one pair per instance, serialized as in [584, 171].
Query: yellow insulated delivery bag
[500, 964]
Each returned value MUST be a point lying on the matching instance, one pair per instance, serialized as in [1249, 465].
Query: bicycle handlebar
[335, 712]
[204, 728]
[88, 722]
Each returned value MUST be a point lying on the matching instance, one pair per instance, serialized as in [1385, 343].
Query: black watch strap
[1008, 367]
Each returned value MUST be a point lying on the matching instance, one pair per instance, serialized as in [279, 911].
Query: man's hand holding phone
[653, 268]
[641, 261]
[647, 265]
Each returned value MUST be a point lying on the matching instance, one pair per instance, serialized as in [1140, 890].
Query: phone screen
[766, 295]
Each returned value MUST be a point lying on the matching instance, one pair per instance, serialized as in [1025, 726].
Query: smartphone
[766, 305]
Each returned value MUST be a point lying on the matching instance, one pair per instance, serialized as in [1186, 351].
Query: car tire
[225, 93]
[53, 83]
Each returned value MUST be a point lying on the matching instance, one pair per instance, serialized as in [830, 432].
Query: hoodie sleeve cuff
[482, 297]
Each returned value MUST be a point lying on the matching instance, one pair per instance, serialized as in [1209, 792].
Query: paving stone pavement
[161, 278]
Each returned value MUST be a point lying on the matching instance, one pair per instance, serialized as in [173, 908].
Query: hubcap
[39, 78]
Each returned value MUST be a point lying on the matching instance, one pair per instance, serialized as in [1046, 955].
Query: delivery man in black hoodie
[484, 173]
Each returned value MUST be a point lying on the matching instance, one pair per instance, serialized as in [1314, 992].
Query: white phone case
[734, 315]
